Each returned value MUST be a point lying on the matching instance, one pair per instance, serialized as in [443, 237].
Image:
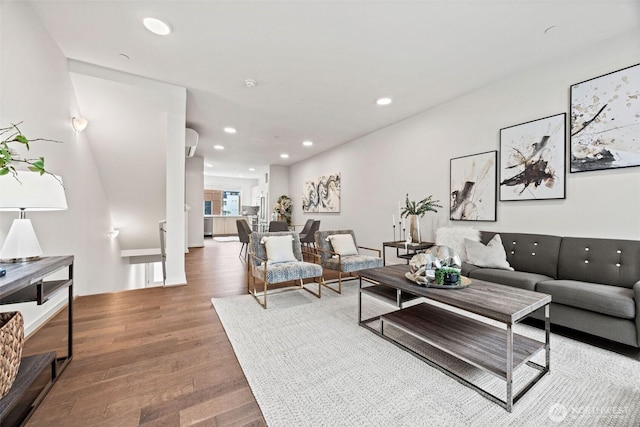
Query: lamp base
[21, 242]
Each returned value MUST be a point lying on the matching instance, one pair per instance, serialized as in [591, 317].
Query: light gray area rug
[310, 364]
[227, 239]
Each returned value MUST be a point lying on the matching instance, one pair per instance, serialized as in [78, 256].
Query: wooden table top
[499, 302]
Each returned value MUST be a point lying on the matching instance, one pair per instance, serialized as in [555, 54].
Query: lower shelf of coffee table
[478, 343]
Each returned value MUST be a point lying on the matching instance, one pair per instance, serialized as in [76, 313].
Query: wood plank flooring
[156, 356]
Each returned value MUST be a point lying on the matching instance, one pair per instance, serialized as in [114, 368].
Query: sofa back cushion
[605, 261]
[531, 253]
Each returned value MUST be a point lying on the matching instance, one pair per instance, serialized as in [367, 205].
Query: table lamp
[34, 192]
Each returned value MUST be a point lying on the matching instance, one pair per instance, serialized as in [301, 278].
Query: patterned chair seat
[351, 263]
[287, 271]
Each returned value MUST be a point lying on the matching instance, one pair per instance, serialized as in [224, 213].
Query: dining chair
[278, 226]
[308, 239]
[243, 234]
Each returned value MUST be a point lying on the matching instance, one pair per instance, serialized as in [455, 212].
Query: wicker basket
[11, 343]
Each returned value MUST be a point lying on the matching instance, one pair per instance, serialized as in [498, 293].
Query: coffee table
[498, 351]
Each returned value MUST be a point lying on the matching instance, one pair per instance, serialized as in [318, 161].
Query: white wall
[35, 88]
[278, 186]
[413, 156]
[194, 196]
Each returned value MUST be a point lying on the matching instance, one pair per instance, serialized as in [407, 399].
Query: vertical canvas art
[605, 121]
[322, 194]
[532, 160]
[473, 187]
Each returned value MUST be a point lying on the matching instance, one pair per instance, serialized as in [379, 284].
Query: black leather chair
[243, 234]
[308, 239]
[278, 226]
[307, 226]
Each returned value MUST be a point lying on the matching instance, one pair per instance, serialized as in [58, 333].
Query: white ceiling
[320, 65]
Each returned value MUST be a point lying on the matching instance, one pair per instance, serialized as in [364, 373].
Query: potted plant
[414, 210]
[282, 209]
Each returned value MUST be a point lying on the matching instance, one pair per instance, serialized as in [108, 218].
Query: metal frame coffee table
[493, 349]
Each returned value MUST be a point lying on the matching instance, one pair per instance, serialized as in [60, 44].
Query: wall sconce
[30, 192]
[79, 123]
[113, 233]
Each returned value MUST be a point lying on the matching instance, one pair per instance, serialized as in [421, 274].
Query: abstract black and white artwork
[605, 121]
[532, 159]
[473, 187]
[322, 194]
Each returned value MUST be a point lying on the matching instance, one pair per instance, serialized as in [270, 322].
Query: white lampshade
[34, 192]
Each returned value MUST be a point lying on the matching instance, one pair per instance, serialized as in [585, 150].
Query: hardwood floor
[156, 356]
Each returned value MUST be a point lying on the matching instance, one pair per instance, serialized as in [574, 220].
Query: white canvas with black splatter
[532, 159]
[473, 187]
[605, 121]
[322, 194]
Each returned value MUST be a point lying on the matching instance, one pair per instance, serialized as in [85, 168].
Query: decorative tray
[464, 282]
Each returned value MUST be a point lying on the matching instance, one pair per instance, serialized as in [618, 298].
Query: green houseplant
[413, 210]
[9, 158]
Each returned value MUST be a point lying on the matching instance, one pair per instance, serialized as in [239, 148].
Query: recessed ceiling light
[307, 143]
[219, 147]
[284, 155]
[156, 26]
[383, 101]
[252, 169]
[230, 130]
[209, 165]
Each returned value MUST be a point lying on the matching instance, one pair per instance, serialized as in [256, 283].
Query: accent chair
[339, 251]
[275, 258]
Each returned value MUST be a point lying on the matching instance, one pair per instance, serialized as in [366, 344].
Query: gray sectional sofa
[594, 283]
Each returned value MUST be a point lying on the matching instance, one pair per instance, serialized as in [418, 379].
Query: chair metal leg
[263, 303]
[319, 293]
[339, 281]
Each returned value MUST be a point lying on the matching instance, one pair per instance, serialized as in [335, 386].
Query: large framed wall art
[532, 159]
[605, 124]
[473, 187]
[322, 194]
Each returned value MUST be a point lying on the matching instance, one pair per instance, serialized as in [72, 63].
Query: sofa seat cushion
[517, 279]
[351, 263]
[610, 300]
[286, 271]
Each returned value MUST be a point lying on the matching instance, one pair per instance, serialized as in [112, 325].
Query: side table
[24, 282]
[409, 249]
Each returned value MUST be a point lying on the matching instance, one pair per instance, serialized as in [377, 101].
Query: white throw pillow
[491, 256]
[343, 244]
[279, 248]
[454, 238]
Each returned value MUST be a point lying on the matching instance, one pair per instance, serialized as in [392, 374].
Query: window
[230, 203]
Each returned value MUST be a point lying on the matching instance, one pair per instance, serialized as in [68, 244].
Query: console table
[24, 282]
[410, 249]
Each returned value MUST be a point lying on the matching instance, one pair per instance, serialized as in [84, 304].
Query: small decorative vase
[414, 228]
